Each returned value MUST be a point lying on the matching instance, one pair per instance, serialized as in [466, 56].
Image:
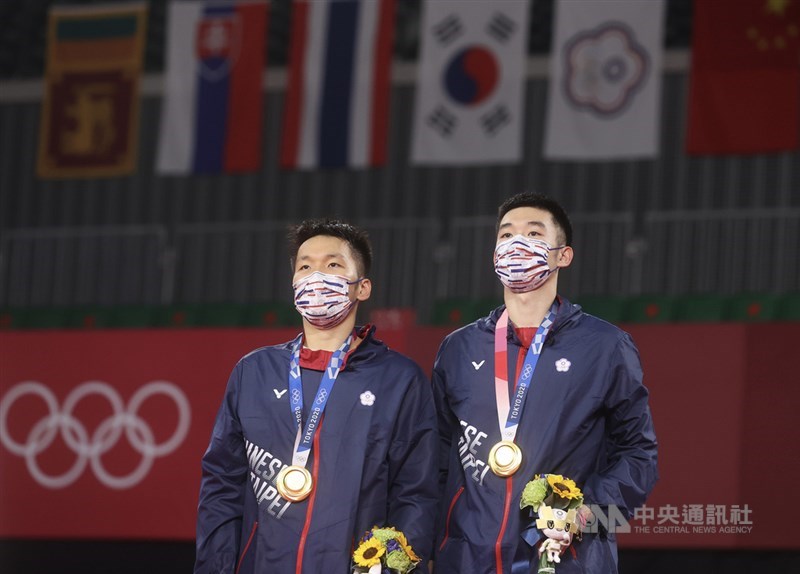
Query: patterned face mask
[521, 263]
[322, 299]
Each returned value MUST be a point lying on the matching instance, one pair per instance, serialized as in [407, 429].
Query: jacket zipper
[314, 474]
[449, 512]
[247, 546]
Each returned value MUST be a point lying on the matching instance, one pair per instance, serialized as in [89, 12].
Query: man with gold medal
[321, 438]
[536, 387]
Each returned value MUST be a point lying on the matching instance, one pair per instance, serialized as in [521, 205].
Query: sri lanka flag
[90, 112]
[337, 100]
[212, 109]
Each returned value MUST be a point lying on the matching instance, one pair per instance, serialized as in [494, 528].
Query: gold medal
[294, 483]
[505, 458]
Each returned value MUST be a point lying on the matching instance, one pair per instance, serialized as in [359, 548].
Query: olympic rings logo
[89, 450]
[527, 372]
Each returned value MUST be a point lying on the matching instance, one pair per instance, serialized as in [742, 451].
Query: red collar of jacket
[317, 360]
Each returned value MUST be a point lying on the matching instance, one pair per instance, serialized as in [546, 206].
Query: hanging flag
[90, 112]
[337, 102]
[469, 105]
[745, 79]
[605, 80]
[212, 110]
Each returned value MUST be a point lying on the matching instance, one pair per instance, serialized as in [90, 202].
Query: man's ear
[565, 256]
[363, 289]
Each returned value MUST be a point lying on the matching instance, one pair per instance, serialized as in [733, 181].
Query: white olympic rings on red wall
[90, 449]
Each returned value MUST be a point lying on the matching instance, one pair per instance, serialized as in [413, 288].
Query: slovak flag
[470, 84]
[337, 102]
[213, 106]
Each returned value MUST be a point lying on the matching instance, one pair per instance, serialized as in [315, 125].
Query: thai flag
[337, 101]
[213, 107]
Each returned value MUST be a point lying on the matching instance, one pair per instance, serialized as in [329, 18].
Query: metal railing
[605, 262]
[416, 260]
[250, 262]
[84, 266]
[725, 252]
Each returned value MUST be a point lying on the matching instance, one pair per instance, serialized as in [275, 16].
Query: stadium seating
[608, 308]
[8, 319]
[700, 308]
[41, 318]
[454, 312]
[649, 309]
[789, 307]
[89, 318]
[271, 314]
[458, 312]
[220, 315]
[752, 307]
[132, 316]
[176, 316]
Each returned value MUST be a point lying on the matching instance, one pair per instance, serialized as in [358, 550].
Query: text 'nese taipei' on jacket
[373, 462]
[586, 416]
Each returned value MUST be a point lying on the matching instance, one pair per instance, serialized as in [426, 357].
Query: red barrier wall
[723, 400]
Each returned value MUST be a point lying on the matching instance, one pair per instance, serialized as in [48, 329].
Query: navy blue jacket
[586, 416]
[374, 463]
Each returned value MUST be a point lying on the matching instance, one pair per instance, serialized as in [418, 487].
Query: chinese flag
[745, 79]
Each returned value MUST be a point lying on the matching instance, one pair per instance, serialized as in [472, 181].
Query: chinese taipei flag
[337, 102]
[605, 80]
[212, 108]
[471, 82]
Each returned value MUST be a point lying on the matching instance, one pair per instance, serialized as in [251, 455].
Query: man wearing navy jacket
[321, 438]
[537, 387]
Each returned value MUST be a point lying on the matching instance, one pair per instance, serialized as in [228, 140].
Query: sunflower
[401, 539]
[410, 552]
[369, 553]
[564, 488]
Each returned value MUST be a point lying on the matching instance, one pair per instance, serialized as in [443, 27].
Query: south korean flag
[470, 85]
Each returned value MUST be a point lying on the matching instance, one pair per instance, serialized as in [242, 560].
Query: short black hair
[538, 201]
[356, 238]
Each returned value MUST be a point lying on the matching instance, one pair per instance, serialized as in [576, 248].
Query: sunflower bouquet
[554, 500]
[384, 551]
